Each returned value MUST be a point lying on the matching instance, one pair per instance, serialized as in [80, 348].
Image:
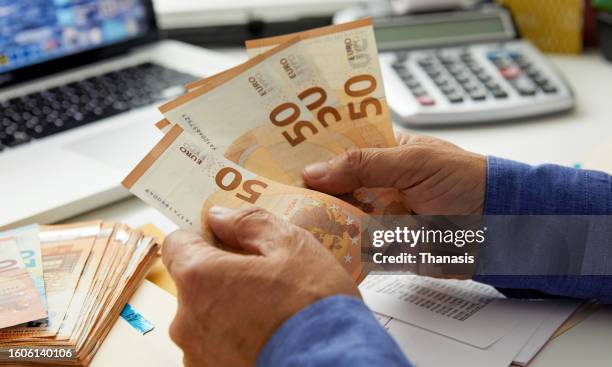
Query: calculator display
[398, 34]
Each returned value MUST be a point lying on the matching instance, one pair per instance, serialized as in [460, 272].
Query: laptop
[79, 86]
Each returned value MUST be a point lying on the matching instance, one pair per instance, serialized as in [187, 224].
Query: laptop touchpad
[121, 148]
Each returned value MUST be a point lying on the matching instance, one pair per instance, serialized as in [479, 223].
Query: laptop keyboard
[58, 109]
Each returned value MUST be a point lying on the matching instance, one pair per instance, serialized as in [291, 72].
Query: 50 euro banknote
[342, 84]
[335, 72]
[253, 117]
[183, 178]
[347, 86]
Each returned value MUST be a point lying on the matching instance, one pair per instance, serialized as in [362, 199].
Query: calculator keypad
[417, 89]
[460, 77]
[521, 73]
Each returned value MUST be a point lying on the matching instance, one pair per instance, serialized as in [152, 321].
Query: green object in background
[603, 5]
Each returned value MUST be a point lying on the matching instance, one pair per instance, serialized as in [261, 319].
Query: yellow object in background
[158, 273]
[552, 25]
[160, 276]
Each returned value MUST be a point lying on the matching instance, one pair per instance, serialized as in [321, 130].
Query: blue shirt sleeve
[337, 331]
[515, 188]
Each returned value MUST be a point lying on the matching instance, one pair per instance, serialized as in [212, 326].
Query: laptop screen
[35, 31]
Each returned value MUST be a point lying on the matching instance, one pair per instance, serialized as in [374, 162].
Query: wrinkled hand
[434, 176]
[230, 304]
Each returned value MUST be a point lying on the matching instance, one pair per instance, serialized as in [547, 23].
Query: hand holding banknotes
[433, 176]
[230, 304]
[241, 139]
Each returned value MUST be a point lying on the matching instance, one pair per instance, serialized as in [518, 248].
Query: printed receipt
[459, 309]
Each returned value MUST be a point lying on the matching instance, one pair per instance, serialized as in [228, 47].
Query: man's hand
[434, 176]
[230, 304]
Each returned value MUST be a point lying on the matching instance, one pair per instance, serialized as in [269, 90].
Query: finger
[182, 248]
[254, 230]
[405, 138]
[402, 137]
[363, 168]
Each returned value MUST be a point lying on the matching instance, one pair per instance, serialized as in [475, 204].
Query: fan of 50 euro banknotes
[242, 137]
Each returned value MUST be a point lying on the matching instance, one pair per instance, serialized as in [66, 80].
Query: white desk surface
[564, 139]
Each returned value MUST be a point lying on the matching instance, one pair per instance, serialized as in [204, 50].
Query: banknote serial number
[34, 353]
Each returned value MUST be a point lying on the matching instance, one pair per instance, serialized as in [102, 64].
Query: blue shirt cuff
[515, 188]
[335, 331]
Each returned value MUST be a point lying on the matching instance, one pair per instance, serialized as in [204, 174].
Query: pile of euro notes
[242, 138]
[62, 287]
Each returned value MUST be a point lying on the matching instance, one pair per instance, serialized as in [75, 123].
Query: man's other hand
[434, 176]
[230, 304]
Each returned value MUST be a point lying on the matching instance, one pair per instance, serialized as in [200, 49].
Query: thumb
[182, 248]
[255, 230]
[374, 167]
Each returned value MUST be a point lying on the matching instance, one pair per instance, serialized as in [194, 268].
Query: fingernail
[219, 211]
[316, 170]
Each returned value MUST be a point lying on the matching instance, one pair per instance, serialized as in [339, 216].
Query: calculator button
[440, 81]
[494, 87]
[511, 72]
[491, 84]
[524, 87]
[523, 63]
[466, 57]
[412, 83]
[426, 62]
[462, 77]
[494, 55]
[537, 77]
[503, 63]
[478, 95]
[548, 88]
[540, 79]
[483, 77]
[531, 71]
[515, 55]
[499, 93]
[470, 86]
[432, 69]
[448, 90]
[418, 91]
[401, 56]
[456, 69]
[426, 100]
[446, 60]
[476, 69]
[434, 73]
[455, 98]
[404, 73]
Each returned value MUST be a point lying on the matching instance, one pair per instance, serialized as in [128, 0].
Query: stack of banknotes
[242, 137]
[62, 288]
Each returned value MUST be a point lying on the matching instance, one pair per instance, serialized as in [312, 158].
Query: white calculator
[465, 67]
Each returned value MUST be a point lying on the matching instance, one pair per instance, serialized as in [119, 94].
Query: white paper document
[426, 349]
[125, 346]
[461, 310]
[559, 312]
[426, 316]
